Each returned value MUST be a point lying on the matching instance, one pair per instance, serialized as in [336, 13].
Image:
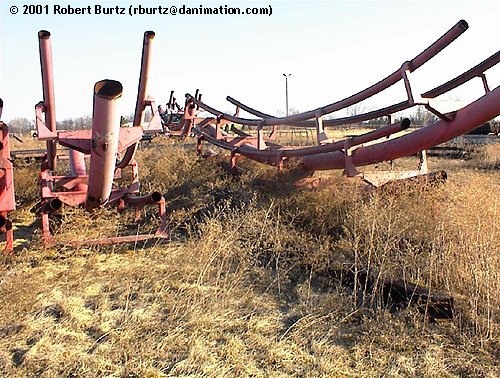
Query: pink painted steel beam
[7, 198]
[468, 118]
[78, 168]
[465, 77]
[476, 71]
[143, 78]
[45, 47]
[354, 141]
[105, 135]
[141, 94]
[274, 155]
[330, 122]
[390, 80]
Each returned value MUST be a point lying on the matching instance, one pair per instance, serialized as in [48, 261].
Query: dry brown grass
[490, 155]
[240, 289]
[26, 143]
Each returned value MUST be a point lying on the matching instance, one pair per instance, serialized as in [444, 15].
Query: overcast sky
[332, 49]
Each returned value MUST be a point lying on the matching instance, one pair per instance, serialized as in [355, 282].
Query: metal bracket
[349, 167]
[445, 117]
[321, 136]
[261, 144]
[43, 132]
[485, 82]
[155, 123]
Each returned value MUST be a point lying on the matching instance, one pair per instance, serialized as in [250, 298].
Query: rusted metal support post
[141, 94]
[199, 141]
[321, 136]
[143, 79]
[423, 165]
[45, 47]
[77, 167]
[7, 199]
[105, 136]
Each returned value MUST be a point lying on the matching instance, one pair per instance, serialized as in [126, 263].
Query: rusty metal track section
[468, 118]
[330, 122]
[477, 71]
[383, 84]
[350, 153]
[334, 155]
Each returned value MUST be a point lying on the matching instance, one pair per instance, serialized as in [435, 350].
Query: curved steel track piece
[466, 119]
[333, 155]
[385, 83]
[330, 122]
[350, 153]
[476, 71]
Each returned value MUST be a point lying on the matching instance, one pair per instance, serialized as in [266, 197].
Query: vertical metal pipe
[141, 94]
[45, 47]
[105, 136]
[143, 80]
[77, 167]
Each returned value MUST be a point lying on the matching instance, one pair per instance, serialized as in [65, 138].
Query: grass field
[242, 288]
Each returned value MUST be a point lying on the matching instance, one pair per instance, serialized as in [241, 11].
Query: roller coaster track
[350, 153]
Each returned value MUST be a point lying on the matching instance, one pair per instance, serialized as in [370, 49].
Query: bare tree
[355, 109]
[422, 116]
[20, 125]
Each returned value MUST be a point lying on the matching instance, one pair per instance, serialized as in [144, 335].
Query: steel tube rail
[312, 124]
[367, 116]
[465, 77]
[390, 80]
[330, 122]
[45, 47]
[247, 150]
[151, 198]
[247, 108]
[354, 141]
[276, 154]
[466, 119]
[105, 137]
[141, 94]
[452, 34]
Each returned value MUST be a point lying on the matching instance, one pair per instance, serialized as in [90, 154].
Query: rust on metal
[104, 143]
[7, 197]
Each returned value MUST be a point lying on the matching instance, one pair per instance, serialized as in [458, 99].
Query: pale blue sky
[331, 48]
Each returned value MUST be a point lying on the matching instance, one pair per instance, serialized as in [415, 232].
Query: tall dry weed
[242, 288]
[446, 239]
[490, 156]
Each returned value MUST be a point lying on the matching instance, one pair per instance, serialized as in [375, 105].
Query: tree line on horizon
[418, 117]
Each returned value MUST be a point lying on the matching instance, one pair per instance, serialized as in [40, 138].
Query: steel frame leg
[9, 235]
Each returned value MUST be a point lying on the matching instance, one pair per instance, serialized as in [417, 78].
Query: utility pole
[286, 91]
